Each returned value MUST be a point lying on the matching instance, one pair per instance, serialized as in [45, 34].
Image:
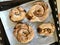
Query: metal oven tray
[38, 40]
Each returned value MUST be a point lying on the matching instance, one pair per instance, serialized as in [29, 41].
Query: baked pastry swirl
[46, 29]
[17, 14]
[23, 32]
[39, 12]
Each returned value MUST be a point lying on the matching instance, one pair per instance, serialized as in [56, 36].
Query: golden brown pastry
[17, 14]
[23, 32]
[46, 29]
[59, 17]
[39, 12]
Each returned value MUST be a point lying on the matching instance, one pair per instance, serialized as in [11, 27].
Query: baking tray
[3, 38]
[8, 25]
[54, 8]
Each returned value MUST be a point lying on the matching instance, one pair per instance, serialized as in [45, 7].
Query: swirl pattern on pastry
[46, 29]
[17, 14]
[23, 33]
[38, 12]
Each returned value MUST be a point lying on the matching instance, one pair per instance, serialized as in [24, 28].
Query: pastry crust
[39, 12]
[59, 17]
[23, 32]
[46, 29]
[17, 14]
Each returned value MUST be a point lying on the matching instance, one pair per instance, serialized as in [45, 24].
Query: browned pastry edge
[59, 16]
[28, 16]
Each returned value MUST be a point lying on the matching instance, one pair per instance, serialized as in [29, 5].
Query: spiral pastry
[23, 33]
[46, 29]
[39, 12]
[17, 14]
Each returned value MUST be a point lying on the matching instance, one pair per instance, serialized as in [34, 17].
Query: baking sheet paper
[37, 40]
